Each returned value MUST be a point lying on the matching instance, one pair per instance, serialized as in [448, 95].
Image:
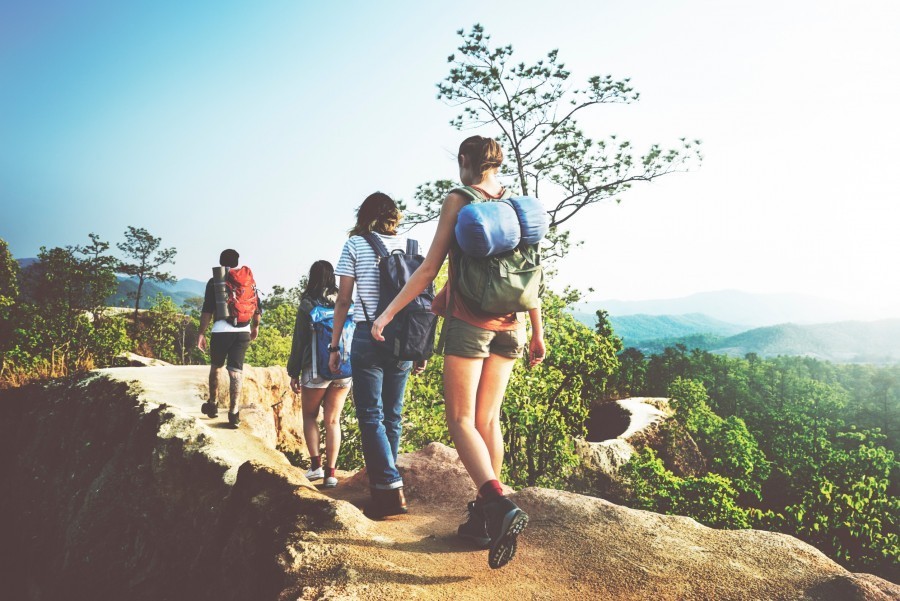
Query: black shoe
[209, 409]
[474, 529]
[385, 503]
[234, 419]
[504, 521]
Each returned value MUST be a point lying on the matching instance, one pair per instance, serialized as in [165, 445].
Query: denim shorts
[308, 381]
[462, 339]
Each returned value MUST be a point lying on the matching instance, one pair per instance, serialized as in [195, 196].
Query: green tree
[533, 109]
[142, 249]
[9, 293]
[547, 406]
[100, 267]
[164, 331]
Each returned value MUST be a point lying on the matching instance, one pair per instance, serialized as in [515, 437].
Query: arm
[254, 326]
[295, 361]
[205, 320]
[341, 306]
[536, 349]
[428, 270]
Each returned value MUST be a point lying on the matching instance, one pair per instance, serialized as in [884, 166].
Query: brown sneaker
[385, 503]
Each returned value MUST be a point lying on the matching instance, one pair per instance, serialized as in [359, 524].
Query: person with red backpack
[231, 303]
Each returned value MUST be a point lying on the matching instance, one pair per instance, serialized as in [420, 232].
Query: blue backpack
[322, 319]
[410, 335]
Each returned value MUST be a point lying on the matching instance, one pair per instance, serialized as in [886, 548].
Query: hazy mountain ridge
[179, 292]
[734, 307]
[639, 328]
[840, 342]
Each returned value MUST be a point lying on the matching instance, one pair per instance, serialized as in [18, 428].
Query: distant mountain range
[736, 323]
[841, 342]
[734, 307]
[179, 292]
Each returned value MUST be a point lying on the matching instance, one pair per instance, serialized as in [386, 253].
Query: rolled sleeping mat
[534, 221]
[484, 229]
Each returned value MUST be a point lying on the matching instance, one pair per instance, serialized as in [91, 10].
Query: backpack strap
[381, 251]
[376, 244]
[412, 246]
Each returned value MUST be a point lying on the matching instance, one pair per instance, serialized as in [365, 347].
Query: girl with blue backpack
[379, 375]
[480, 348]
[317, 385]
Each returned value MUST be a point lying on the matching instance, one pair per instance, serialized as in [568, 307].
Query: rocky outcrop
[118, 488]
[618, 429]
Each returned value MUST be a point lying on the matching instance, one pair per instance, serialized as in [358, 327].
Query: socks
[329, 472]
[489, 490]
[315, 462]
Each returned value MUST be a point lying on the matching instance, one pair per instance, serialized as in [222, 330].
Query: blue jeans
[379, 382]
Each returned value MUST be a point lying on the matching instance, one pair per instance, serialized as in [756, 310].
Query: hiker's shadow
[406, 578]
[427, 544]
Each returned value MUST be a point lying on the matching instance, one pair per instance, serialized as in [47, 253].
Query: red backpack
[243, 302]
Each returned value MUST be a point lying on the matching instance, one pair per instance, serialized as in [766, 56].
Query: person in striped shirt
[379, 381]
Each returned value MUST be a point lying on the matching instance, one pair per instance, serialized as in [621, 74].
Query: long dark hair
[377, 213]
[320, 282]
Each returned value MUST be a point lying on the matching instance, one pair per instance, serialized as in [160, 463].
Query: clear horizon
[262, 128]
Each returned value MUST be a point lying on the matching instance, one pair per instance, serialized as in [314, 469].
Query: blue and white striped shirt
[359, 261]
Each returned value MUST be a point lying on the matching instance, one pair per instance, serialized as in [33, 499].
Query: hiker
[317, 389]
[379, 379]
[480, 351]
[231, 298]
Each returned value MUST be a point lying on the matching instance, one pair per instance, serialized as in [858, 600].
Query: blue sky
[262, 126]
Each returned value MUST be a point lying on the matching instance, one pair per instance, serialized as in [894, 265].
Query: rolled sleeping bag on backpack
[485, 229]
[534, 221]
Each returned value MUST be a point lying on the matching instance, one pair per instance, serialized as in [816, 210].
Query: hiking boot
[474, 529]
[330, 482]
[385, 503]
[504, 521]
[234, 419]
[315, 474]
[209, 409]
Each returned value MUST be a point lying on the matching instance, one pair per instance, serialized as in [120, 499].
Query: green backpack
[506, 283]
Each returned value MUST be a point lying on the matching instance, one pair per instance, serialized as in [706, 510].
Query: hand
[201, 342]
[334, 361]
[419, 367]
[295, 385]
[536, 351]
[379, 326]
[254, 332]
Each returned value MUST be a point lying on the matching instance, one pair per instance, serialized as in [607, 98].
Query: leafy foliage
[805, 446]
[533, 107]
[139, 247]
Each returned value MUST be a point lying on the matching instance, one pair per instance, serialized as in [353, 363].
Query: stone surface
[631, 425]
[118, 488]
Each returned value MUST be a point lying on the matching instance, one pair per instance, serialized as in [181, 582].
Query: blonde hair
[481, 153]
[377, 213]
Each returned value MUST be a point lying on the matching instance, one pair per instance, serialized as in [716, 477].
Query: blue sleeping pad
[533, 219]
[485, 229]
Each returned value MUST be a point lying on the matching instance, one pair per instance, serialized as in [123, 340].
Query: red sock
[315, 462]
[489, 490]
[329, 472]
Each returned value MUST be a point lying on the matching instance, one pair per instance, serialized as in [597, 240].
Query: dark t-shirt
[209, 298]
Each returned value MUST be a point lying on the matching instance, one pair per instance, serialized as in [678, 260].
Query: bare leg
[491, 388]
[311, 398]
[237, 382]
[334, 404]
[213, 384]
[461, 376]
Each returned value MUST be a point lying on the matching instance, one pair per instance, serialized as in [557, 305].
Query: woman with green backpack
[314, 383]
[480, 349]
